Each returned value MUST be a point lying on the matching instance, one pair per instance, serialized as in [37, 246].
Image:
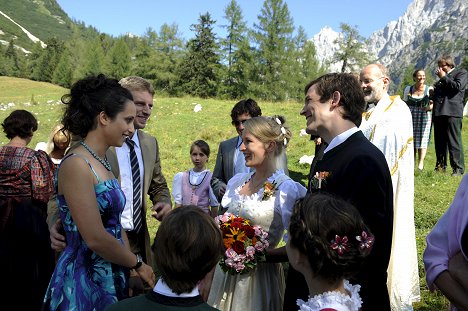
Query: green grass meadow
[176, 126]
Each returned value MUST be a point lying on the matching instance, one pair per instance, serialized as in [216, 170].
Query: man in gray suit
[448, 115]
[230, 160]
[151, 178]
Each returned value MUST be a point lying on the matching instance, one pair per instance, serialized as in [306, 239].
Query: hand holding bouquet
[245, 244]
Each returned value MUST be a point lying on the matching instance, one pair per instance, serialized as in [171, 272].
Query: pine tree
[169, 51]
[273, 37]
[198, 69]
[303, 65]
[351, 51]
[144, 56]
[63, 73]
[48, 60]
[118, 60]
[236, 53]
[11, 66]
[94, 59]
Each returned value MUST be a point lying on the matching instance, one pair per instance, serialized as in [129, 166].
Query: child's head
[188, 244]
[329, 235]
[199, 153]
[59, 139]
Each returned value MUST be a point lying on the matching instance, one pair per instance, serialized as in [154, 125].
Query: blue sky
[118, 17]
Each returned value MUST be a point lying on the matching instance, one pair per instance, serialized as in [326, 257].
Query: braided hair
[331, 232]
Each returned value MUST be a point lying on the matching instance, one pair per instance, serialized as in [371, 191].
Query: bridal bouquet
[245, 244]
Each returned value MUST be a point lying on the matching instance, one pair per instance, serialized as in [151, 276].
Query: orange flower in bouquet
[245, 244]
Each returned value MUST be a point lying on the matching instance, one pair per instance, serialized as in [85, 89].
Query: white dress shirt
[126, 182]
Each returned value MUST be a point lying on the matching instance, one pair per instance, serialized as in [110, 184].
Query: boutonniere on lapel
[320, 179]
[269, 190]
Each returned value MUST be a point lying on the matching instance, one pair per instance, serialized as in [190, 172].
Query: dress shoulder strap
[81, 156]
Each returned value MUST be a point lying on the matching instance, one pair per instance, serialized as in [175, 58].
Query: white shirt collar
[162, 288]
[136, 139]
[341, 138]
[239, 142]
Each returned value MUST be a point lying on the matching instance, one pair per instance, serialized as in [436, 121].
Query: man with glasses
[230, 160]
[387, 123]
[448, 115]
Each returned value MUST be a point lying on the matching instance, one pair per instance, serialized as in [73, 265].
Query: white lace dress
[263, 288]
[334, 300]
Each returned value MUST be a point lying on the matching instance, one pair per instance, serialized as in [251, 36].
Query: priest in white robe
[388, 125]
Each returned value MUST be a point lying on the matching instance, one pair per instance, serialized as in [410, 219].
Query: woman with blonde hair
[266, 197]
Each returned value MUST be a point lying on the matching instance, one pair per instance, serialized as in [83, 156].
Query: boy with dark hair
[188, 244]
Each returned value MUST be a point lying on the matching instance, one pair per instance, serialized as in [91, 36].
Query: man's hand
[57, 240]
[440, 73]
[318, 141]
[222, 190]
[160, 210]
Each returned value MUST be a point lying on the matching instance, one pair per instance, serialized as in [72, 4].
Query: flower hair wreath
[283, 130]
[341, 245]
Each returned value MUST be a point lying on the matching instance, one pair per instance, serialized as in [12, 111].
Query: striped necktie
[137, 208]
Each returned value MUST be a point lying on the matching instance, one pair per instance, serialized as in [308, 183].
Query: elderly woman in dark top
[26, 183]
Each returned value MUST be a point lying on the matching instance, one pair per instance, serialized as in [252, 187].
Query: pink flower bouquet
[245, 244]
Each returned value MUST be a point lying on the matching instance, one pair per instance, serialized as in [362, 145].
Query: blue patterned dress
[83, 280]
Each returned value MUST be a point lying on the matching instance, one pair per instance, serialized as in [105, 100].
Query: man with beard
[387, 123]
[354, 169]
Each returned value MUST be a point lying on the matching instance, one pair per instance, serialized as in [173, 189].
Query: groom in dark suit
[230, 160]
[448, 115]
[354, 169]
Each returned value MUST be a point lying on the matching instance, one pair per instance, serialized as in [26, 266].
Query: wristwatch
[139, 262]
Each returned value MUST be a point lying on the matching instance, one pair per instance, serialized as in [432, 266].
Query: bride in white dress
[264, 142]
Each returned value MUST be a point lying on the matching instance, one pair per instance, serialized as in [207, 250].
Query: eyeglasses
[237, 123]
[369, 81]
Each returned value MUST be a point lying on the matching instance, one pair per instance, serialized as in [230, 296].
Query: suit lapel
[147, 157]
[231, 154]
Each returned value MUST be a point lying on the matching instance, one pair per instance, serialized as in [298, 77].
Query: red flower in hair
[366, 241]
[340, 244]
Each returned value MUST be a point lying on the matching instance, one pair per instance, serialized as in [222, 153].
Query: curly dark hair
[19, 123]
[314, 225]
[90, 96]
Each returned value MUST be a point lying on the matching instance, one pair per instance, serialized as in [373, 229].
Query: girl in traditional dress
[328, 242]
[193, 187]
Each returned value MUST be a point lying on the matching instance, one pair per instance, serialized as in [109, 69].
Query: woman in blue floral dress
[92, 271]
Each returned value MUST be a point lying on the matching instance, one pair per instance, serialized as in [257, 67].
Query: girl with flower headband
[328, 243]
[266, 197]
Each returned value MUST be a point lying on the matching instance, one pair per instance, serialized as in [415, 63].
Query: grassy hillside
[42, 18]
[176, 125]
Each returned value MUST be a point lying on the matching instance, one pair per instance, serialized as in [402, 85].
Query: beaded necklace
[103, 161]
[196, 185]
